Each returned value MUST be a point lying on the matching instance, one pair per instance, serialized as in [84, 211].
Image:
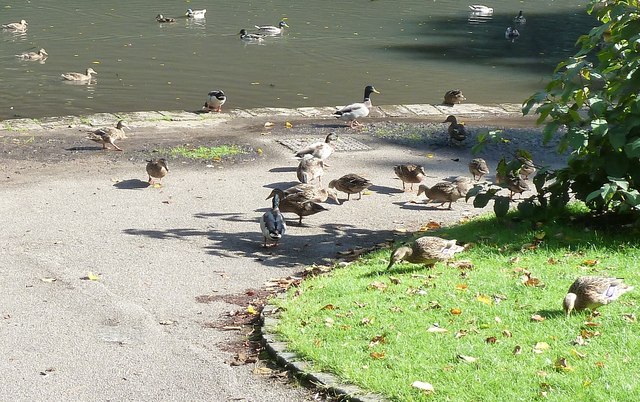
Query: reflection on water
[412, 51]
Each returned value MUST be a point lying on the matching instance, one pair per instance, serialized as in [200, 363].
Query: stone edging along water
[199, 119]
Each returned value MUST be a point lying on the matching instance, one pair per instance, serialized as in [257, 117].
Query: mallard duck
[511, 34]
[16, 26]
[478, 168]
[463, 184]
[311, 192]
[519, 19]
[272, 30]
[157, 168]
[457, 131]
[516, 184]
[409, 173]
[39, 55]
[250, 37]
[442, 192]
[272, 223]
[109, 135]
[351, 184]
[79, 76]
[197, 14]
[425, 250]
[592, 292]
[355, 111]
[309, 169]
[480, 9]
[215, 100]
[161, 18]
[527, 168]
[297, 203]
[453, 96]
[321, 149]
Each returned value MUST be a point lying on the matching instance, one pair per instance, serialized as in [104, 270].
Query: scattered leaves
[528, 280]
[540, 347]
[431, 225]
[329, 307]
[437, 329]
[424, 386]
[517, 350]
[467, 359]
[377, 355]
[287, 124]
[378, 285]
[491, 340]
[394, 280]
[455, 311]
[562, 365]
[484, 299]
[629, 317]
[377, 340]
[506, 333]
[462, 286]
[590, 263]
[252, 310]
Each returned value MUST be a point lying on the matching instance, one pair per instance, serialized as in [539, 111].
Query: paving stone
[20, 125]
[470, 108]
[396, 111]
[179, 115]
[423, 110]
[316, 111]
[343, 144]
[273, 111]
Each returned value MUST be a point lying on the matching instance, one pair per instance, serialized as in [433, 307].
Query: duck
[109, 135]
[478, 167]
[215, 100]
[511, 34]
[480, 9]
[16, 26]
[321, 149]
[39, 55]
[516, 184]
[79, 76]
[519, 19]
[443, 192]
[351, 113]
[272, 30]
[161, 18]
[297, 203]
[463, 185]
[427, 250]
[592, 292]
[501, 172]
[453, 96]
[351, 184]
[197, 14]
[309, 169]
[250, 37]
[527, 168]
[457, 131]
[157, 169]
[272, 224]
[312, 192]
[409, 173]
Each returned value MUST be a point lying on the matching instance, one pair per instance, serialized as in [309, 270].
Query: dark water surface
[412, 51]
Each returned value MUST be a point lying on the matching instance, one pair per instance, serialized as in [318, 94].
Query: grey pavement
[139, 332]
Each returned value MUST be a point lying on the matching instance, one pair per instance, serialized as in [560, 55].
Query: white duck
[272, 30]
[79, 76]
[39, 55]
[480, 9]
[321, 149]
[16, 26]
[355, 111]
[272, 223]
[197, 14]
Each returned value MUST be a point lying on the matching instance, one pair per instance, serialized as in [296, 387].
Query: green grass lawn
[491, 329]
[206, 153]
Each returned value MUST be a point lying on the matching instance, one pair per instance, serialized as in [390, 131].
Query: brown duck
[351, 184]
[453, 96]
[592, 292]
[157, 169]
[425, 250]
[109, 135]
[409, 173]
[478, 168]
[297, 204]
[442, 192]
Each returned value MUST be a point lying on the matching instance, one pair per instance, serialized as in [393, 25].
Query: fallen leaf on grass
[376, 340]
[377, 355]
[455, 311]
[462, 264]
[528, 280]
[328, 322]
[578, 354]
[462, 286]
[629, 317]
[378, 285]
[586, 334]
[461, 333]
[506, 333]
[517, 350]
[394, 280]
[562, 365]
[366, 321]
[425, 386]
[540, 347]
[329, 307]
[537, 318]
[491, 340]
[467, 359]
[437, 329]
[591, 324]
[590, 263]
[484, 299]
[600, 364]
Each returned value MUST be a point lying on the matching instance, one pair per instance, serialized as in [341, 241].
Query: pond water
[411, 50]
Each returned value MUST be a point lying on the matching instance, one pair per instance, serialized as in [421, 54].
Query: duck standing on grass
[351, 184]
[355, 111]
[592, 292]
[272, 223]
[215, 100]
[157, 168]
[409, 173]
[109, 135]
[425, 250]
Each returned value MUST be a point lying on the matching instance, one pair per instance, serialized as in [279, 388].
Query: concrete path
[140, 331]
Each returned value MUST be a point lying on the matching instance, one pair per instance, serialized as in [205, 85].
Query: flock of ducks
[511, 33]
